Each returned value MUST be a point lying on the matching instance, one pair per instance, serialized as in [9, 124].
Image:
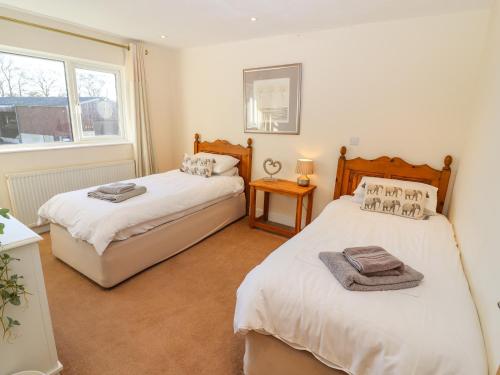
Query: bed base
[123, 259]
[265, 354]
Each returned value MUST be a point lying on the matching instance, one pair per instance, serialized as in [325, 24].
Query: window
[97, 95]
[34, 105]
[44, 100]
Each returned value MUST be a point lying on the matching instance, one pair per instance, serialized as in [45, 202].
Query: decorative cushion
[431, 191]
[199, 166]
[222, 164]
[394, 200]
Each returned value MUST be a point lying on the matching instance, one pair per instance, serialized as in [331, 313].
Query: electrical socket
[354, 141]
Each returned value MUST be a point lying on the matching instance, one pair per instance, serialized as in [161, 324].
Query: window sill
[23, 148]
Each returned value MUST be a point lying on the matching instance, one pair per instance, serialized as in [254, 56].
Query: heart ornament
[273, 164]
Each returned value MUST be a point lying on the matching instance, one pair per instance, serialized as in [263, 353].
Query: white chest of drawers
[32, 346]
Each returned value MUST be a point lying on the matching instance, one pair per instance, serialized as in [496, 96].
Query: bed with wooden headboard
[124, 258]
[266, 353]
[351, 171]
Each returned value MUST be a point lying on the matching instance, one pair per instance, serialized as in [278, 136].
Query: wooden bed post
[248, 174]
[443, 182]
[196, 142]
[340, 172]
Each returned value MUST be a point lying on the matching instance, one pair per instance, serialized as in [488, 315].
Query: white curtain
[144, 156]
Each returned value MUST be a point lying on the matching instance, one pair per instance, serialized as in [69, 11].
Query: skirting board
[56, 370]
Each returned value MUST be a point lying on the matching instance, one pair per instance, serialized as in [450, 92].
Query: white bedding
[430, 329]
[100, 222]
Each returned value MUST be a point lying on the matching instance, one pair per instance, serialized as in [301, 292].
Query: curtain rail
[56, 30]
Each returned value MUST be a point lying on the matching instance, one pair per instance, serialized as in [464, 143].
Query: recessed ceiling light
[163, 36]
[253, 19]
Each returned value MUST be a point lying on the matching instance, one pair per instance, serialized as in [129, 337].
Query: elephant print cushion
[198, 166]
[394, 200]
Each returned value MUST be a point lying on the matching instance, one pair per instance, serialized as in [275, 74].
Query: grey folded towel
[374, 261]
[117, 198]
[351, 279]
[116, 188]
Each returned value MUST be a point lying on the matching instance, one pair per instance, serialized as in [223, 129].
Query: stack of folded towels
[117, 192]
[370, 268]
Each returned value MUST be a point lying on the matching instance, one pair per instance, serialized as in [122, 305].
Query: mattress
[430, 329]
[169, 195]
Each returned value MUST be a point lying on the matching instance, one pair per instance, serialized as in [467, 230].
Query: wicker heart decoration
[275, 164]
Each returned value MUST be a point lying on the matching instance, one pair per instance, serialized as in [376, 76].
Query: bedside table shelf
[282, 187]
[271, 226]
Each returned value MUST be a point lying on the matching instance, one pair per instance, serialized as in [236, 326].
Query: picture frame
[272, 99]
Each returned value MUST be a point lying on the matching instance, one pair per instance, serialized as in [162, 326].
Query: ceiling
[187, 23]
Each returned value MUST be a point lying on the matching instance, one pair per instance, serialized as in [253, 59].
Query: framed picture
[272, 99]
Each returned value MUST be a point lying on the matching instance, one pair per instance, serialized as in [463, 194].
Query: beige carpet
[174, 318]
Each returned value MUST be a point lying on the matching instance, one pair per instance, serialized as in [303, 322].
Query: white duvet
[98, 222]
[430, 329]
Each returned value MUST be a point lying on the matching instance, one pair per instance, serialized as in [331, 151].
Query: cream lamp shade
[304, 167]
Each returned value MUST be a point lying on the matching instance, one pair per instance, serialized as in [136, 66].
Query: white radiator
[29, 190]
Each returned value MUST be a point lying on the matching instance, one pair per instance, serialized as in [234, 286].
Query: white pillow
[430, 203]
[230, 172]
[359, 196]
[222, 164]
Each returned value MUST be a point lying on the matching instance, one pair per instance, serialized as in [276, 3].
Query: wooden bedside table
[283, 187]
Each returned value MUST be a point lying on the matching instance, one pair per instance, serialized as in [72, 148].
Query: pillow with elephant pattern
[395, 200]
[199, 166]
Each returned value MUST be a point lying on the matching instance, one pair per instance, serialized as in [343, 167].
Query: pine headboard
[243, 154]
[350, 172]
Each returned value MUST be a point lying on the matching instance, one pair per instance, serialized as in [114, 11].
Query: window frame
[70, 66]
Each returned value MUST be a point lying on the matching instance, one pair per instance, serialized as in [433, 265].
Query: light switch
[354, 141]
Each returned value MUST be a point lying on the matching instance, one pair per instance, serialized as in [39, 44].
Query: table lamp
[304, 167]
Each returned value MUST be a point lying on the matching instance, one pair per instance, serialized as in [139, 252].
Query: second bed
[298, 319]
[110, 242]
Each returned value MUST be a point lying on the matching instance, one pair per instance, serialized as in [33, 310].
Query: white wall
[160, 65]
[475, 209]
[402, 86]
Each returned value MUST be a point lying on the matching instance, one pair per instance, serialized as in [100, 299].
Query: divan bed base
[123, 259]
[265, 354]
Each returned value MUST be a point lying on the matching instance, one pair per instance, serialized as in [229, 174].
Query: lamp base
[303, 181]
[269, 179]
